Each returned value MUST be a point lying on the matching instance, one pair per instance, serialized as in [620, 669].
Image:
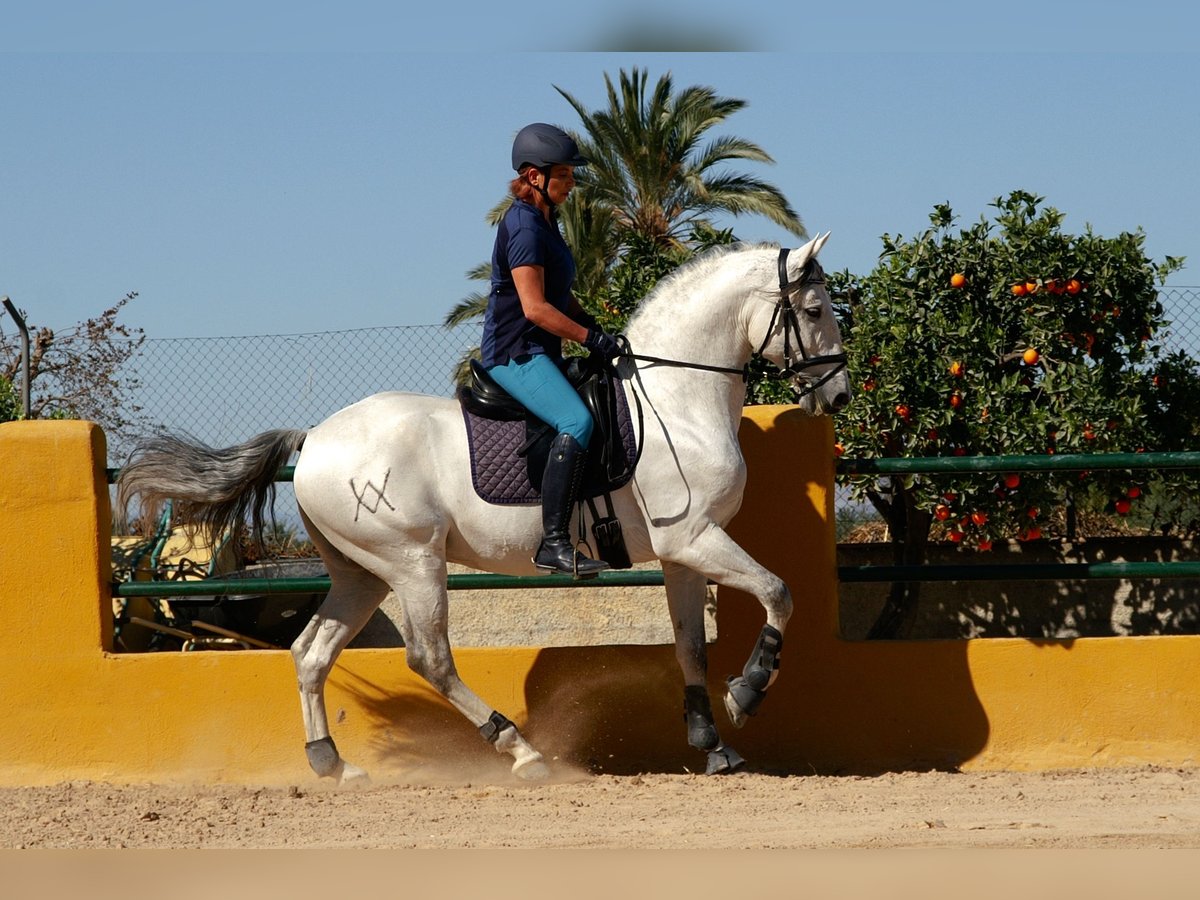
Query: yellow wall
[78, 711]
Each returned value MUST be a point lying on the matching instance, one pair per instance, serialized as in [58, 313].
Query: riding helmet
[543, 145]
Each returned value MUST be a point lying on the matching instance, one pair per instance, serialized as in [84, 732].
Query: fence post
[25, 388]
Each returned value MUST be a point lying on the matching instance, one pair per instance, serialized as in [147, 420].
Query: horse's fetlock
[697, 713]
[496, 730]
[764, 660]
[323, 757]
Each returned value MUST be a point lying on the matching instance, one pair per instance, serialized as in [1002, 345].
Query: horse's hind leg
[686, 595]
[353, 596]
[425, 628]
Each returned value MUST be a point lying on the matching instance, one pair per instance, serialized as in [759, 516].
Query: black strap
[660, 361]
[490, 730]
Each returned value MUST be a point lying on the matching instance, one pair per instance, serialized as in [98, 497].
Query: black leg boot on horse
[560, 492]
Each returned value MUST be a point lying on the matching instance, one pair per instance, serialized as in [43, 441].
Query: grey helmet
[542, 146]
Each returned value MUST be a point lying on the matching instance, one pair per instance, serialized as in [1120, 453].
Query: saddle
[509, 446]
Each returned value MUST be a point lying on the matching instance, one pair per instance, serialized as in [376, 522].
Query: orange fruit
[979, 518]
[1011, 481]
[957, 280]
[956, 400]
[1019, 289]
[985, 545]
[1034, 533]
[941, 512]
[955, 535]
[933, 434]
[1053, 286]
[1134, 492]
[1031, 357]
[1122, 506]
[838, 449]
[957, 369]
[1074, 286]
[903, 411]
[1031, 287]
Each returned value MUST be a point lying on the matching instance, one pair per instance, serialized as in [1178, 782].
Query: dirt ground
[1136, 809]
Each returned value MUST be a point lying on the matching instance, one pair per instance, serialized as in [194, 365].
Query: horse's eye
[813, 312]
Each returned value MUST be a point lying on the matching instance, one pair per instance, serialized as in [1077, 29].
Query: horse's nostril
[840, 401]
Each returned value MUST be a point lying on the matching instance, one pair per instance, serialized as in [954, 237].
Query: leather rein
[793, 366]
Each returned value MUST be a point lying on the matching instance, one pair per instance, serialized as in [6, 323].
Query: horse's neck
[705, 326]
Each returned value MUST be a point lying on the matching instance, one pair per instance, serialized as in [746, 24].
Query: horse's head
[803, 337]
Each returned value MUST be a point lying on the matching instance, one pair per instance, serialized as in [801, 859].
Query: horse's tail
[213, 491]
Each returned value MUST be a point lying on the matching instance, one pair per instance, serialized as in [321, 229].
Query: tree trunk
[909, 528]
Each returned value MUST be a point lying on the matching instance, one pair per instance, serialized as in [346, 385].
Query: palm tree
[651, 180]
[652, 165]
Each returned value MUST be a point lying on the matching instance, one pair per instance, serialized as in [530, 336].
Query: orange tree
[1010, 337]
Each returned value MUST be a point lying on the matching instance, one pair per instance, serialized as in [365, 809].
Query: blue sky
[304, 180]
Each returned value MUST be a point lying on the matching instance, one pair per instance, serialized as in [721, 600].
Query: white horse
[385, 492]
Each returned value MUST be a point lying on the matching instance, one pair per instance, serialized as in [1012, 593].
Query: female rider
[530, 311]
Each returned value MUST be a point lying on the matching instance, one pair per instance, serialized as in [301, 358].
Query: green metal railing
[1065, 462]
[320, 584]
[865, 573]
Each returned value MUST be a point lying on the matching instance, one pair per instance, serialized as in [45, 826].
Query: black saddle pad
[509, 455]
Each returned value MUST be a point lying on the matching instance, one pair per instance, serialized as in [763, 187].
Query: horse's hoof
[723, 761]
[531, 769]
[737, 715]
[353, 777]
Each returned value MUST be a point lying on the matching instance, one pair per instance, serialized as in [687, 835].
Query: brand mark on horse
[360, 497]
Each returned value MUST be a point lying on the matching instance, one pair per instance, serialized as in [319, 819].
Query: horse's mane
[696, 267]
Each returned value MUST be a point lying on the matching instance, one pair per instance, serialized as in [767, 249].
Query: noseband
[792, 367]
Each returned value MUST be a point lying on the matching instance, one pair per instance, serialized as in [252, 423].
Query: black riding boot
[560, 490]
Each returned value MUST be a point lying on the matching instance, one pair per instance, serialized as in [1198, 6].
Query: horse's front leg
[714, 554]
[686, 597]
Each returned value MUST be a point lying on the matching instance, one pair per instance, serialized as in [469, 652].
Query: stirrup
[553, 560]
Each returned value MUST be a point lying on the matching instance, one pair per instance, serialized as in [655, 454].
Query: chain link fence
[1181, 306]
[225, 390]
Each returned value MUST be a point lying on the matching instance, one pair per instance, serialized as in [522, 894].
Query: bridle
[793, 365]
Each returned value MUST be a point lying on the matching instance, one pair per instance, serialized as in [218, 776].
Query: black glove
[604, 344]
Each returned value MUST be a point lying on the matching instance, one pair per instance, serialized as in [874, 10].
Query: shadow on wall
[837, 707]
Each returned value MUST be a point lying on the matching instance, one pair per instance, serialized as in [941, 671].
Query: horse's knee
[778, 600]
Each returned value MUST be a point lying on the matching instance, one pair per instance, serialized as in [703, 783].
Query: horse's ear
[814, 246]
[799, 258]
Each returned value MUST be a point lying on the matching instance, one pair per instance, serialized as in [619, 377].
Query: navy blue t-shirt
[524, 238]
